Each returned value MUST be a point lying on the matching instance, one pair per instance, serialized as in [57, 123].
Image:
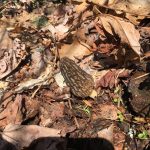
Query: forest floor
[74, 75]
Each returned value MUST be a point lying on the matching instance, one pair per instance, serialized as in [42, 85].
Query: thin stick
[33, 94]
[144, 75]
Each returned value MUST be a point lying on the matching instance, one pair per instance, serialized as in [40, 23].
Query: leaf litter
[108, 40]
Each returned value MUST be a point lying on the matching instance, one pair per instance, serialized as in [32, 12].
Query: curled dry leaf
[22, 135]
[43, 79]
[11, 56]
[110, 79]
[134, 10]
[124, 30]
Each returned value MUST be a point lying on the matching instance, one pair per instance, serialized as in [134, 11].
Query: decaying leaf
[124, 30]
[93, 43]
[58, 31]
[108, 112]
[102, 2]
[12, 52]
[22, 135]
[80, 8]
[134, 10]
[76, 49]
[107, 133]
[11, 57]
[110, 79]
[38, 64]
[138, 7]
[12, 113]
[43, 79]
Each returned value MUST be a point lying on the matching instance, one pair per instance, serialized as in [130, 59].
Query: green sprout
[117, 90]
[120, 116]
[86, 109]
[117, 98]
[143, 135]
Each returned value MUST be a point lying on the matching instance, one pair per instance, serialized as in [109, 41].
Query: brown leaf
[80, 8]
[107, 133]
[73, 50]
[38, 64]
[102, 2]
[41, 80]
[12, 53]
[22, 135]
[119, 139]
[137, 7]
[57, 110]
[15, 115]
[12, 112]
[110, 79]
[108, 112]
[125, 30]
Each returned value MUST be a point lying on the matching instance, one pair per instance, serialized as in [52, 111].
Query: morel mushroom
[81, 83]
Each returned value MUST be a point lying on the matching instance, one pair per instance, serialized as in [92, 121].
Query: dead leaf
[110, 79]
[12, 113]
[12, 54]
[27, 19]
[107, 133]
[73, 50]
[37, 63]
[124, 30]
[102, 2]
[7, 98]
[5, 41]
[137, 7]
[15, 115]
[119, 139]
[22, 135]
[60, 80]
[43, 79]
[80, 8]
[107, 112]
[147, 55]
[135, 10]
